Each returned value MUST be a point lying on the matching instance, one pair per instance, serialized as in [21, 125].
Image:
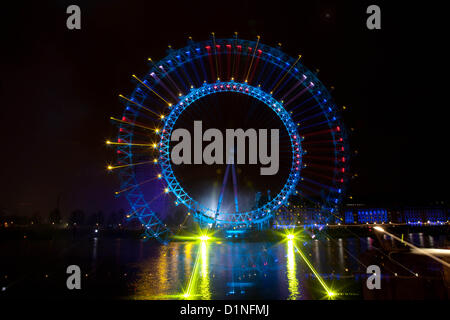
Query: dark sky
[59, 87]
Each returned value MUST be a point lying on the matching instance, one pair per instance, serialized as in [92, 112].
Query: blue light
[257, 93]
[135, 198]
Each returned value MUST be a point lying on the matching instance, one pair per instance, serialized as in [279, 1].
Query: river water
[215, 269]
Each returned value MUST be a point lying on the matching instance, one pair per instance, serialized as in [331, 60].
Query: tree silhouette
[77, 216]
[112, 219]
[55, 216]
[96, 218]
[36, 218]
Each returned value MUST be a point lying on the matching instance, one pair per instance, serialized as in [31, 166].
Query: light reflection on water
[292, 272]
[252, 270]
[226, 270]
[134, 269]
[204, 279]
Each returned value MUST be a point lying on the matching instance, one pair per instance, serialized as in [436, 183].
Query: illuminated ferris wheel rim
[190, 56]
[218, 87]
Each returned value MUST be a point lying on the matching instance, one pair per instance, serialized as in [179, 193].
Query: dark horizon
[59, 88]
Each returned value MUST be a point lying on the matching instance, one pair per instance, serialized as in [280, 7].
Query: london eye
[269, 88]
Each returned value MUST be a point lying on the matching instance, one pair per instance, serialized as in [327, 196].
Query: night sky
[59, 87]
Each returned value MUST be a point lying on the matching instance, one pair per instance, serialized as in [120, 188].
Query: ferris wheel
[273, 89]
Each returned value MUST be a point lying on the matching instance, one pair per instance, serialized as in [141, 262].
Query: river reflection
[216, 270]
[256, 270]
[291, 266]
[294, 269]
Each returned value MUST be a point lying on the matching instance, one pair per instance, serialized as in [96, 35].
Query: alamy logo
[213, 153]
[374, 280]
[74, 279]
[74, 20]
[374, 20]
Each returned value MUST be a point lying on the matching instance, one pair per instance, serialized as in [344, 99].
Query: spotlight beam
[168, 103]
[417, 249]
[253, 57]
[139, 105]
[276, 86]
[135, 185]
[131, 124]
[329, 292]
[128, 165]
[193, 277]
[130, 144]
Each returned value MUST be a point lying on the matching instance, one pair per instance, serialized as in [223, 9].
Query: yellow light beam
[194, 275]
[139, 105]
[215, 55]
[276, 86]
[329, 292]
[168, 103]
[427, 253]
[292, 272]
[234, 56]
[132, 124]
[128, 165]
[253, 57]
[130, 144]
[134, 212]
[136, 185]
[204, 280]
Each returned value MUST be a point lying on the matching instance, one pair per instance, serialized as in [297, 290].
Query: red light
[338, 128]
[343, 159]
[208, 47]
[343, 170]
